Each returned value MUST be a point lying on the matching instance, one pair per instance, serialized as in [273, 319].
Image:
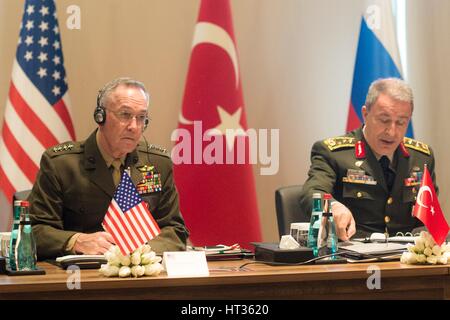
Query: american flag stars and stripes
[128, 219]
[37, 114]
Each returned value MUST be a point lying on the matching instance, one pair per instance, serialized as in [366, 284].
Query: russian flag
[377, 57]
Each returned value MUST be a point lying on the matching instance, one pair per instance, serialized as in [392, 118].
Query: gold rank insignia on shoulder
[63, 147]
[339, 143]
[416, 145]
[151, 180]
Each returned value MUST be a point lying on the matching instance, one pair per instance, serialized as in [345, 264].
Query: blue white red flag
[37, 113]
[128, 219]
[377, 57]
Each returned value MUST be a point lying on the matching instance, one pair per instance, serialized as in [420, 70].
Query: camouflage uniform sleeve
[46, 212]
[321, 176]
[173, 234]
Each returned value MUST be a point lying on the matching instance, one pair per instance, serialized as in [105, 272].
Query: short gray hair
[395, 88]
[108, 88]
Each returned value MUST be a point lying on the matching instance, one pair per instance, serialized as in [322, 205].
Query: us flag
[128, 219]
[37, 113]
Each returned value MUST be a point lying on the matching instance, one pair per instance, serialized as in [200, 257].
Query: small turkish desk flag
[428, 210]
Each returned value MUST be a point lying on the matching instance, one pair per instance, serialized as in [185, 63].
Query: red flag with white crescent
[212, 172]
[428, 210]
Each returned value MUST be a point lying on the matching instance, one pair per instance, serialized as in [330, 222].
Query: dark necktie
[389, 175]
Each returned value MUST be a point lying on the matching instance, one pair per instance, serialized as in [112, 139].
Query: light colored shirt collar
[108, 159]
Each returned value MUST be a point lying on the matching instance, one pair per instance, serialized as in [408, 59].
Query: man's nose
[133, 124]
[391, 129]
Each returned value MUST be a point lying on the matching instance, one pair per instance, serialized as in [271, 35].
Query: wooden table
[256, 281]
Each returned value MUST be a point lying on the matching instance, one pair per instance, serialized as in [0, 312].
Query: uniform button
[414, 190]
[390, 200]
[91, 159]
[359, 194]
[387, 219]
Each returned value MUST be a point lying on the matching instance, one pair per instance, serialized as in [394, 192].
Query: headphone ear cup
[100, 115]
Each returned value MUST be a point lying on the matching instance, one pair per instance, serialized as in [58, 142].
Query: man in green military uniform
[77, 180]
[374, 172]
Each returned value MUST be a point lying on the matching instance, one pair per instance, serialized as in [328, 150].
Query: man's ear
[364, 113]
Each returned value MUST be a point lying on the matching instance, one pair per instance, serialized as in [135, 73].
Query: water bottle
[25, 252]
[327, 238]
[14, 235]
[314, 224]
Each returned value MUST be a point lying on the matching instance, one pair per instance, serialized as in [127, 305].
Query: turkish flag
[428, 210]
[211, 156]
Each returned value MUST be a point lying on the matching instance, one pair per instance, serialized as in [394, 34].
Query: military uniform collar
[377, 156]
[361, 146]
[108, 159]
[96, 165]
[93, 154]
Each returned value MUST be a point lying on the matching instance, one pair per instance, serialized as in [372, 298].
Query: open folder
[372, 251]
[84, 261]
[223, 252]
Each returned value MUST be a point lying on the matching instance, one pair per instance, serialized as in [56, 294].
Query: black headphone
[100, 112]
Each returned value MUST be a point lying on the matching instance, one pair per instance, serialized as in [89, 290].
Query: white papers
[404, 239]
[367, 252]
[219, 249]
[185, 264]
[376, 248]
[81, 257]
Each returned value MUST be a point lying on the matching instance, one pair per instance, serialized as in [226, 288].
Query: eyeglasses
[127, 117]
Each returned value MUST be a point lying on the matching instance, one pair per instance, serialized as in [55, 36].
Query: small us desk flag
[128, 219]
[428, 210]
[37, 113]
[377, 57]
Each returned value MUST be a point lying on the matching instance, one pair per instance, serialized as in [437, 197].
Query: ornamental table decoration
[141, 262]
[426, 251]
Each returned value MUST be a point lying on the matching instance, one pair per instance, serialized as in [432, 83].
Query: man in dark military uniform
[374, 172]
[77, 180]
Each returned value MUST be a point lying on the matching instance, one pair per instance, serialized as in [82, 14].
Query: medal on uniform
[415, 179]
[150, 180]
[358, 176]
